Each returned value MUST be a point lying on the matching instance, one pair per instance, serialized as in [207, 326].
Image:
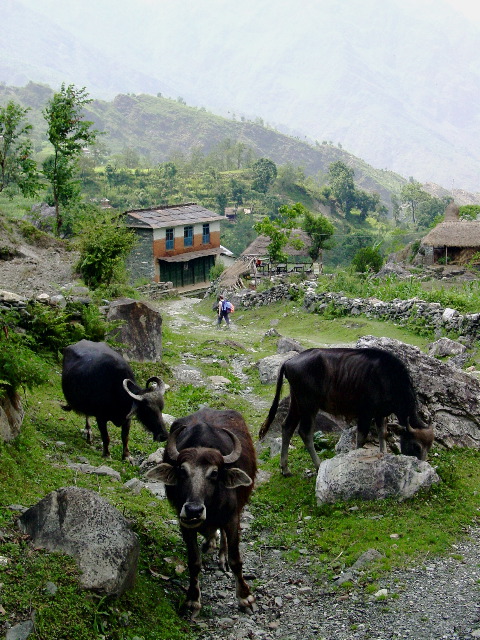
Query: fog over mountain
[396, 82]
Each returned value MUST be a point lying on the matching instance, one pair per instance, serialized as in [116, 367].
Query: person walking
[222, 312]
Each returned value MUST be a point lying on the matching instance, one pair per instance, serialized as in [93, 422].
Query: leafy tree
[431, 210]
[367, 259]
[412, 195]
[264, 174]
[340, 180]
[68, 133]
[320, 230]
[279, 231]
[469, 211]
[17, 168]
[105, 242]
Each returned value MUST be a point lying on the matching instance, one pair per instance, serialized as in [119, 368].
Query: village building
[175, 243]
[254, 261]
[451, 241]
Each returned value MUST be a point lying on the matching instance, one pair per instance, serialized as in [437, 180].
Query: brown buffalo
[209, 467]
[364, 384]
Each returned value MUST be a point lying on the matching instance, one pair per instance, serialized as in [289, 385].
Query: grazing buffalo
[364, 384]
[208, 468]
[97, 381]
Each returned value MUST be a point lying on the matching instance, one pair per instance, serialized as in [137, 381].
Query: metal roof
[171, 216]
[190, 255]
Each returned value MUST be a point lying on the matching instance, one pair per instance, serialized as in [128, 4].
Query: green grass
[286, 514]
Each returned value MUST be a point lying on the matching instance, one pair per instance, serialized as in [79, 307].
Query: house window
[170, 242]
[188, 236]
[206, 234]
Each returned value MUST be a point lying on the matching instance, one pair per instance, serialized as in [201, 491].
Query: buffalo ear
[237, 478]
[164, 473]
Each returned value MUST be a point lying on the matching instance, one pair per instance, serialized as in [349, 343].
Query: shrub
[216, 271]
[367, 259]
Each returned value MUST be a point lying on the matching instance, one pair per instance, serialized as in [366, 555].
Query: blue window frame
[188, 236]
[206, 233]
[170, 240]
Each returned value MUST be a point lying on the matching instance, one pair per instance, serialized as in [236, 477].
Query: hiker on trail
[223, 309]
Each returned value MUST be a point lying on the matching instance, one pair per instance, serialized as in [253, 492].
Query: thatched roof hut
[246, 264]
[258, 248]
[453, 238]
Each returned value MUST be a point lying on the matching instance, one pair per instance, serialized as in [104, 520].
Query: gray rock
[268, 367]
[187, 374]
[284, 345]
[103, 470]
[153, 459]
[81, 524]
[11, 416]
[445, 347]
[141, 330]
[364, 475]
[20, 631]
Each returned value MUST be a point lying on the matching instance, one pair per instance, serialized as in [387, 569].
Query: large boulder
[366, 475]
[269, 367]
[140, 330]
[285, 345]
[448, 398]
[11, 416]
[81, 524]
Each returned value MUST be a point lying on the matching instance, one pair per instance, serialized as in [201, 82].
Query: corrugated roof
[171, 216]
[191, 255]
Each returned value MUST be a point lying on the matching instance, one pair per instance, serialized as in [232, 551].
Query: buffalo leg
[232, 529]
[88, 430]
[125, 433]
[288, 429]
[223, 551]
[102, 425]
[363, 427]
[382, 433]
[305, 431]
[194, 568]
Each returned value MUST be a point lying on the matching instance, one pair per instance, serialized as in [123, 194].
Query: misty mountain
[394, 81]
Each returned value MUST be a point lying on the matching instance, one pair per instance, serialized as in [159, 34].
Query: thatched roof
[453, 232]
[258, 248]
[231, 278]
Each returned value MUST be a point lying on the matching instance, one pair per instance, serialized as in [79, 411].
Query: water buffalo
[209, 466]
[97, 381]
[364, 384]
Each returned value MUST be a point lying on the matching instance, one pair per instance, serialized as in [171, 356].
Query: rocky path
[437, 599]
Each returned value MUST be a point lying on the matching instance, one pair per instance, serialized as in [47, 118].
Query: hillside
[158, 127]
[395, 82]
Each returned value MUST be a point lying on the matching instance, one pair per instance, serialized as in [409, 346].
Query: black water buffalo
[208, 468]
[97, 381]
[364, 384]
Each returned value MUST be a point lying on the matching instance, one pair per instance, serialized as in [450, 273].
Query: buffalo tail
[273, 409]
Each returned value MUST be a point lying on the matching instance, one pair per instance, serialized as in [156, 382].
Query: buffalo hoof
[248, 603]
[286, 473]
[194, 606]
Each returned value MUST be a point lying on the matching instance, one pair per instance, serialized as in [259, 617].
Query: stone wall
[431, 314]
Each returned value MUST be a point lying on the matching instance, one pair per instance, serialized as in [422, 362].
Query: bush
[367, 259]
[104, 246]
[216, 271]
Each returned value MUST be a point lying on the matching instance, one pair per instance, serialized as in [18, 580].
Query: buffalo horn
[171, 448]
[157, 384]
[132, 395]
[237, 449]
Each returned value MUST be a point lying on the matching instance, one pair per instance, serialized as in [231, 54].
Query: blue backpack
[227, 306]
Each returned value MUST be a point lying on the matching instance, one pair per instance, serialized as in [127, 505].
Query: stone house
[453, 240]
[176, 243]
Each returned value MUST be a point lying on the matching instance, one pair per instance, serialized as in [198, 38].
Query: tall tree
[17, 168]
[340, 179]
[412, 195]
[320, 231]
[279, 231]
[68, 133]
[264, 173]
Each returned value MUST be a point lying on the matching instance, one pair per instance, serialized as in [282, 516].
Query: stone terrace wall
[431, 314]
